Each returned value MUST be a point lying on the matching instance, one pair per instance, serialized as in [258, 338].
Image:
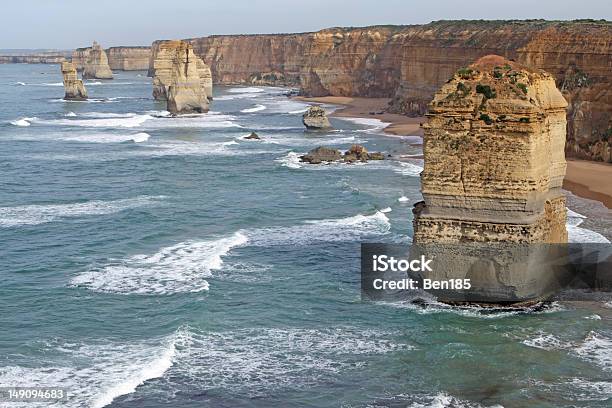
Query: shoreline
[584, 178]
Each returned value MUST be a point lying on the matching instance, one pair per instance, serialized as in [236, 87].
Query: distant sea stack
[494, 158]
[97, 66]
[181, 78]
[73, 86]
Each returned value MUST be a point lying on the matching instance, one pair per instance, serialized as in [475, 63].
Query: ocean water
[149, 261]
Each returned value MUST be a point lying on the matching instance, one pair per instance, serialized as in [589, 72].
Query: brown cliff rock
[73, 86]
[494, 166]
[410, 63]
[129, 58]
[494, 158]
[96, 66]
[178, 78]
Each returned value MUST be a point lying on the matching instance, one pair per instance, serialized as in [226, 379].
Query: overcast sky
[74, 23]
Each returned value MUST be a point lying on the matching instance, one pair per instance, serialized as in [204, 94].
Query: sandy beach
[586, 179]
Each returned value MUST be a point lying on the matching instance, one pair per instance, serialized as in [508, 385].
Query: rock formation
[181, 78]
[253, 136]
[410, 63]
[73, 86]
[494, 157]
[326, 155]
[315, 118]
[96, 66]
[129, 58]
[494, 166]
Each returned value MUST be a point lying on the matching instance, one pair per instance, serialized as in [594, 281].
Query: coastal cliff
[119, 58]
[408, 64]
[493, 169]
[96, 66]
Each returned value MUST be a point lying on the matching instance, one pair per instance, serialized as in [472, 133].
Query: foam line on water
[23, 122]
[180, 268]
[256, 108]
[40, 214]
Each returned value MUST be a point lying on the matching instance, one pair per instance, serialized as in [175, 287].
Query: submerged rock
[73, 86]
[181, 78]
[97, 66]
[321, 154]
[316, 119]
[253, 136]
[354, 154]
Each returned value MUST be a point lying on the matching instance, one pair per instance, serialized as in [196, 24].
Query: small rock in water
[253, 136]
[315, 118]
[354, 154]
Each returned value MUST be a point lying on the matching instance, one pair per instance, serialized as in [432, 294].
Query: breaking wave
[23, 121]
[256, 108]
[40, 214]
[175, 269]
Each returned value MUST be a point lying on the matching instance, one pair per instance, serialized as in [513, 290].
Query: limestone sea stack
[494, 166]
[73, 86]
[315, 118]
[181, 78]
[97, 66]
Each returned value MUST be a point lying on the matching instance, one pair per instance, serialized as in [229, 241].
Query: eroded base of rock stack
[494, 166]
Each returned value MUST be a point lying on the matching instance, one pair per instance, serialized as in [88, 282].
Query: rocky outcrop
[96, 66]
[494, 166]
[180, 78]
[356, 153]
[315, 118]
[410, 63]
[253, 136]
[494, 158]
[129, 58]
[73, 86]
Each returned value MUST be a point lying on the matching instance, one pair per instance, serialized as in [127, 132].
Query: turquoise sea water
[149, 261]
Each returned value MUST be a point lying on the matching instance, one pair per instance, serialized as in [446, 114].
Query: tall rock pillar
[73, 86]
[97, 66]
[494, 161]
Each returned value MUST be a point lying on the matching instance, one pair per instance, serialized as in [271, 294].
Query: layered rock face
[494, 158]
[73, 86]
[97, 66]
[315, 118]
[129, 58]
[410, 63]
[181, 78]
[494, 166]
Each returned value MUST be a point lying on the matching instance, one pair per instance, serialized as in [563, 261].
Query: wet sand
[592, 180]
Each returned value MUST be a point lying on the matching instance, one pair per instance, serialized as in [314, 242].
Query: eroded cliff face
[129, 58]
[410, 63]
[96, 66]
[181, 78]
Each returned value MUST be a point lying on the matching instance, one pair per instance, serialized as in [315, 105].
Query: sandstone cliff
[181, 78]
[129, 58]
[73, 86]
[409, 63]
[494, 166]
[96, 66]
[494, 158]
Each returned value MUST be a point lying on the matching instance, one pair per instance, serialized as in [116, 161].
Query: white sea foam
[23, 122]
[246, 90]
[546, 341]
[97, 374]
[352, 228]
[576, 234]
[21, 83]
[386, 210]
[408, 169]
[259, 361]
[39, 214]
[403, 199]
[70, 114]
[256, 108]
[596, 349]
[291, 160]
[373, 125]
[111, 122]
[175, 269]
[443, 400]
